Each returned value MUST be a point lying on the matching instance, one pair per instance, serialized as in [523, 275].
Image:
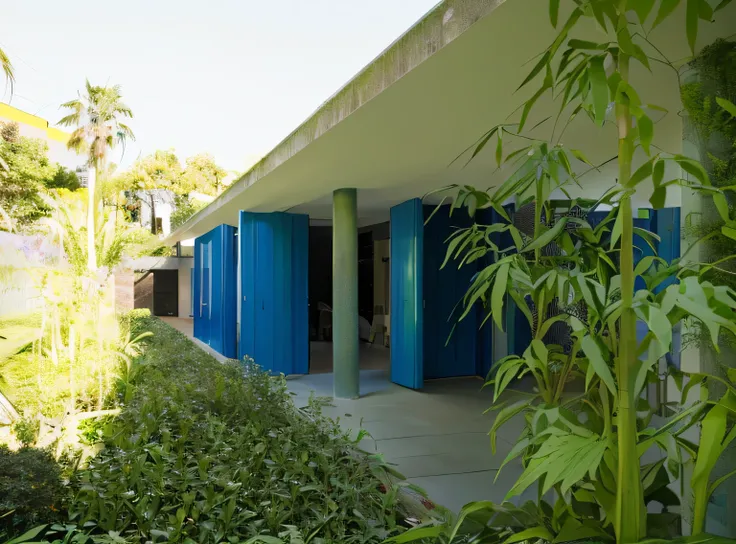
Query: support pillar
[345, 294]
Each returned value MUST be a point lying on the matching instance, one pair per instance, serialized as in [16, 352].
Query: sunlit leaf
[597, 354]
[726, 105]
[599, 88]
[646, 132]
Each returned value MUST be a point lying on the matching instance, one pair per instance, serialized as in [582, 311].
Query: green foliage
[30, 489]
[26, 431]
[185, 208]
[221, 453]
[586, 448]
[203, 175]
[706, 102]
[26, 169]
[63, 179]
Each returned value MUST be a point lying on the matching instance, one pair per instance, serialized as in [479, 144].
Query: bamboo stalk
[630, 510]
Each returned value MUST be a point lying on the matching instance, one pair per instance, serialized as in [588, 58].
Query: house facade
[328, 229]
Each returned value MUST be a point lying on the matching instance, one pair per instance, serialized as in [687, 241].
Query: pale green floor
[437, 437]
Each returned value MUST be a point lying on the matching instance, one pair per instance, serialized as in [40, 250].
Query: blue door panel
[274, 279]
[300, 284]
[667, 226]
[214, 304]
[449, 344]
[407, 231]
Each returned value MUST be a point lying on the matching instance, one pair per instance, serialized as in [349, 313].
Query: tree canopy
[24, 171]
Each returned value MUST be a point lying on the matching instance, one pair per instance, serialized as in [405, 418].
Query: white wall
[185, 294]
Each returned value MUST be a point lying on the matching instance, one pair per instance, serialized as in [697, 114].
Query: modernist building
[329, 227]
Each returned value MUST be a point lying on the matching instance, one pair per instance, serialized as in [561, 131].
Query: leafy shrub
[209, 451]
[30, 488]
[26, 430]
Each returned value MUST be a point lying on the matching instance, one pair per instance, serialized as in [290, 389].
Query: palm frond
[7, 67]
[70, 120]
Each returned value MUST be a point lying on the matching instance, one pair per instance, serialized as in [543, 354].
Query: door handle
[204, 304]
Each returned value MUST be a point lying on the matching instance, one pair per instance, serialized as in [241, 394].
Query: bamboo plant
[587, 448]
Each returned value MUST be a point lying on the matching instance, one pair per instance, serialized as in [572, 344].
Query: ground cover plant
[210, 452]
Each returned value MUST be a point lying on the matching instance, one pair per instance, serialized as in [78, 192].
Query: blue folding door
[407, 248]
[215, 297]
[450, 345]
[274, 265]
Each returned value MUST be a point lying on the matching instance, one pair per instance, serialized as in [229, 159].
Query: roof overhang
[394, 130]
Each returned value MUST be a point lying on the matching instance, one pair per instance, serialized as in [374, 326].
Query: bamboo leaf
[554, 11]
[517, 450]
[497, 294]
[658, 198]
[547, 236]
[503, 416]
[658, 172]
[694, 168]
[713, 429]
[595, 350]
[722, 4]
[642, 173]
[583, 44]
[727, 105]
[599, 88]
[579, 156]
[466, 511]
[420, 532]
[617, 228]
[530, 103]
[691, 22]
[642, 9]
[720, 480]
[665, 10]
[705, 12]
[539, 532]
[729, 232]
[646, 132]
[499, 147]
[719, 199]
[537, 68]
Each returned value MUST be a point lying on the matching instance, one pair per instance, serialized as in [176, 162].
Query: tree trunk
[153, 213]
[91, 212]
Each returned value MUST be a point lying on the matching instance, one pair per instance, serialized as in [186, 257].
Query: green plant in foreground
[30, 488]
[586, 449]
[211, 452]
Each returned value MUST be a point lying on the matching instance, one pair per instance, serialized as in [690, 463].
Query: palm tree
[97, 115]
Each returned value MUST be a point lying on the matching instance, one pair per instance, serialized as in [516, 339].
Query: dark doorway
[166, 292]
[365, 275]
[320, 283]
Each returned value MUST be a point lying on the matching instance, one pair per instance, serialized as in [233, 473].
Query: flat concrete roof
[392, 131]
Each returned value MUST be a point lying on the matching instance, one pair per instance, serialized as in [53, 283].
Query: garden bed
[208, 452]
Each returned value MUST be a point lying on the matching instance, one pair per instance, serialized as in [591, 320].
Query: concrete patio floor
[436, 437]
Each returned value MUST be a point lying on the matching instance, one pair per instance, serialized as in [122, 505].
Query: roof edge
[436, 29]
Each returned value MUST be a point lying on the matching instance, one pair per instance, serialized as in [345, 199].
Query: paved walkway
[437, 437]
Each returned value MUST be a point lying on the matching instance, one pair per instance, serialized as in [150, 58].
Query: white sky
[229, 77]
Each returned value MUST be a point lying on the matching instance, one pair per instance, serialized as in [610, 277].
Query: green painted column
[345, 294]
